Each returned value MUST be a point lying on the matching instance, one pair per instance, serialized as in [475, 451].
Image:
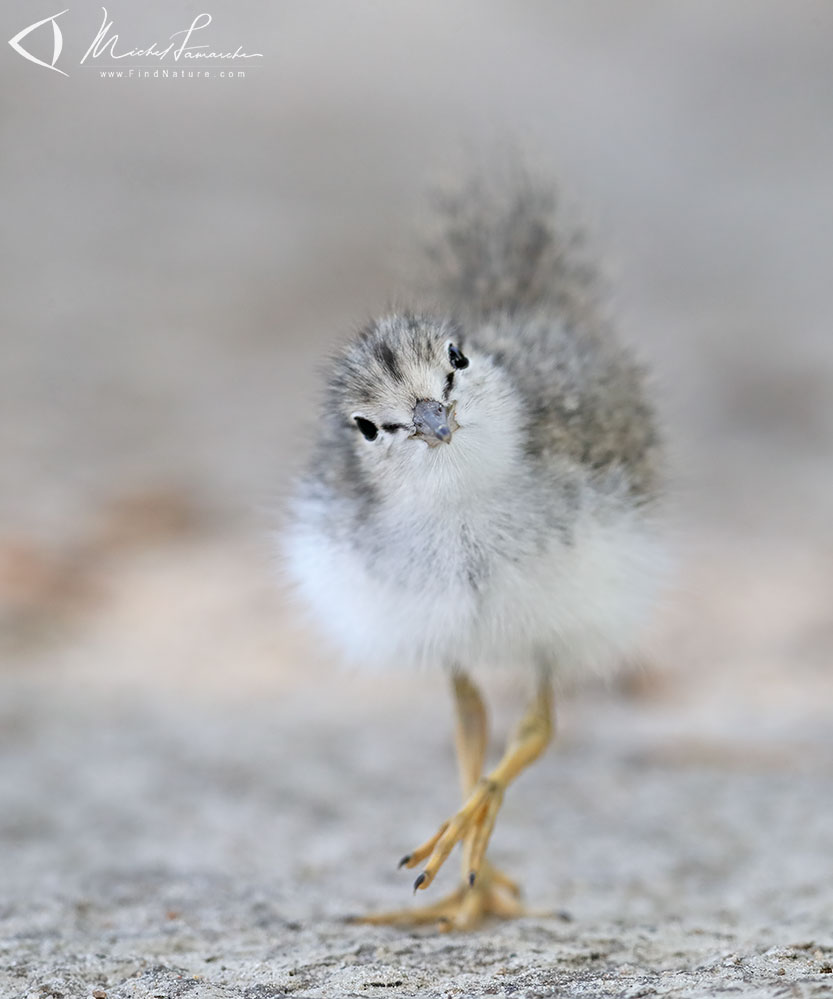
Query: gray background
[192, 793]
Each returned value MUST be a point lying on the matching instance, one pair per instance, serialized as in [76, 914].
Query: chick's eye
[457, 357]
[367, 427]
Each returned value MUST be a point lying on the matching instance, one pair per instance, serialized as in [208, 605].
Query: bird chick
[484, 491]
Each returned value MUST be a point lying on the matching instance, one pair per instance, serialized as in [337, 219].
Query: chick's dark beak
[433, 422]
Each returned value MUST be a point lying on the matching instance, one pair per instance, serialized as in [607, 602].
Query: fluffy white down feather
[578, 599]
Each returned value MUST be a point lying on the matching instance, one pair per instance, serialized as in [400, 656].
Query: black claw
[403, 861]
[419, 881]
[472, 876]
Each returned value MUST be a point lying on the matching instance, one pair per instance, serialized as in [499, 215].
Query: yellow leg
[476, 818]
[471, 738]
[471, 730]
[485, 890]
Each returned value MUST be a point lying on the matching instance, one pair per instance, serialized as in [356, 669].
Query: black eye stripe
[368, 428]
[457, 357]
[391, 427]
[449, 384]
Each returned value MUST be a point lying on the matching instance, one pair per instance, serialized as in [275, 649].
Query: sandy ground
[172, 849]
[193, 795]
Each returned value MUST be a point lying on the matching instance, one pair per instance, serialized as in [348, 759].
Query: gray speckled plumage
[419, 553]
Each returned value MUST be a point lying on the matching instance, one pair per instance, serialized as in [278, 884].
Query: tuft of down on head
[518, 278]
[500, 248]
